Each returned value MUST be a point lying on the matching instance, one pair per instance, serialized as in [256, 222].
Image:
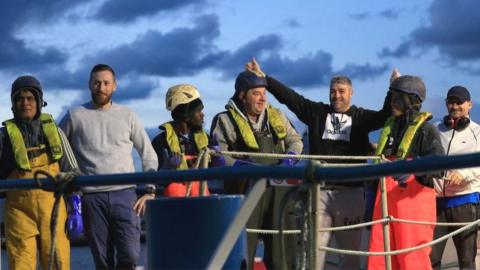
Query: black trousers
[465, 242]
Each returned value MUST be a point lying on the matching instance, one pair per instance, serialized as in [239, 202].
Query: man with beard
[336, 129]
[102, 134]
[182, 139]
[457, 192]
[31, 142]
[250, 124]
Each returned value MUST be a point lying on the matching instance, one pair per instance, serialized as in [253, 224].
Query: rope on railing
[400, 251]
[444, 224]
[365, 224]
[258, 231]
[303, 157]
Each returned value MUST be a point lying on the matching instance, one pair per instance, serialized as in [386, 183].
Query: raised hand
[395, 74]
[254, 67]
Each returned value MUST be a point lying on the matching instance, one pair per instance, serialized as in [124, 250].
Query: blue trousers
[112, 228]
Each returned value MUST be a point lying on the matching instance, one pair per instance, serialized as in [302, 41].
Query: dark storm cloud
[124, 11]
[453, 28]
[360, 16]
[363, 72]
[292, 23]
[133, 86]
[389, 13]
[403, 50]
[306, 71]
[14, 54]
[232, 63]
[180, 52]
[456, 34]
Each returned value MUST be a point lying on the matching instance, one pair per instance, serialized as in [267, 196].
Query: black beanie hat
[30, 83]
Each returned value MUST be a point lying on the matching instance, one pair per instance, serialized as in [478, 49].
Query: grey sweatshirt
[103, 139]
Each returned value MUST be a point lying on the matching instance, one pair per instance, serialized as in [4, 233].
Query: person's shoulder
[78, 109]
[221, 115]
[438, 124]
[474, 126]
[429, 127]
[160, 136]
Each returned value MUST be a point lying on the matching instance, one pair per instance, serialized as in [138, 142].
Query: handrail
[319, 173]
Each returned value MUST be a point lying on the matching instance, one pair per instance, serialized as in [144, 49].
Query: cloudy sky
[155, 44]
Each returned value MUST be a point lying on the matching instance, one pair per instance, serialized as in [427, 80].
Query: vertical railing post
[205, 160]
[315, 221]
[386, 225]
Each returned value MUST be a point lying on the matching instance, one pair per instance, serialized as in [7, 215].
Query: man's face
[255, 100]
[25, 105]
[340, 97]
[457, 109]
[102, 86]
[396, 103]
[195, 122]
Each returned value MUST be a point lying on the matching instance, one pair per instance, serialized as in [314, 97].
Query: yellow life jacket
[274, 119]
[407, 139]
[46, 161]
[199, 137]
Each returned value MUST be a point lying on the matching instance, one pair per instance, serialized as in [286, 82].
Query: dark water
[81, 259]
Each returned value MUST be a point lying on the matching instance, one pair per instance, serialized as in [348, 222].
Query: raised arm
[302, 107]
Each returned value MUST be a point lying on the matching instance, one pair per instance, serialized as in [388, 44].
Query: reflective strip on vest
[407, 138]
[274, 119]
[18, 144]
[199, 137]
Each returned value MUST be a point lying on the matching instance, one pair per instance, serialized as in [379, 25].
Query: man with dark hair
[250, 124]
[336, 129]
[457, 192]
[102, 134]
[182, 140]
[31, 142]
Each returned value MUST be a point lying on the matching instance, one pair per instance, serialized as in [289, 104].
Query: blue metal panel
[182, 233]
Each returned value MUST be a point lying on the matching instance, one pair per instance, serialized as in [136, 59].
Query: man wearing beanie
[250, 124]
[103, 134]
[182, 139]
[31, 142]
[457, 192]
[407, 135]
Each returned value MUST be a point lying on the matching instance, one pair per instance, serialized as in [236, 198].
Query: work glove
[217, 159]
[74, 219]
[290, 161]
[242, 162]
[173, 159]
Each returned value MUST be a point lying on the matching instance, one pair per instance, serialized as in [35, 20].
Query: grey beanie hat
[411, 85]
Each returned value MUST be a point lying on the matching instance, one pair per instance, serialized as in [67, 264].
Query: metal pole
[313, 198]
[205, 160]
[386, 225]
